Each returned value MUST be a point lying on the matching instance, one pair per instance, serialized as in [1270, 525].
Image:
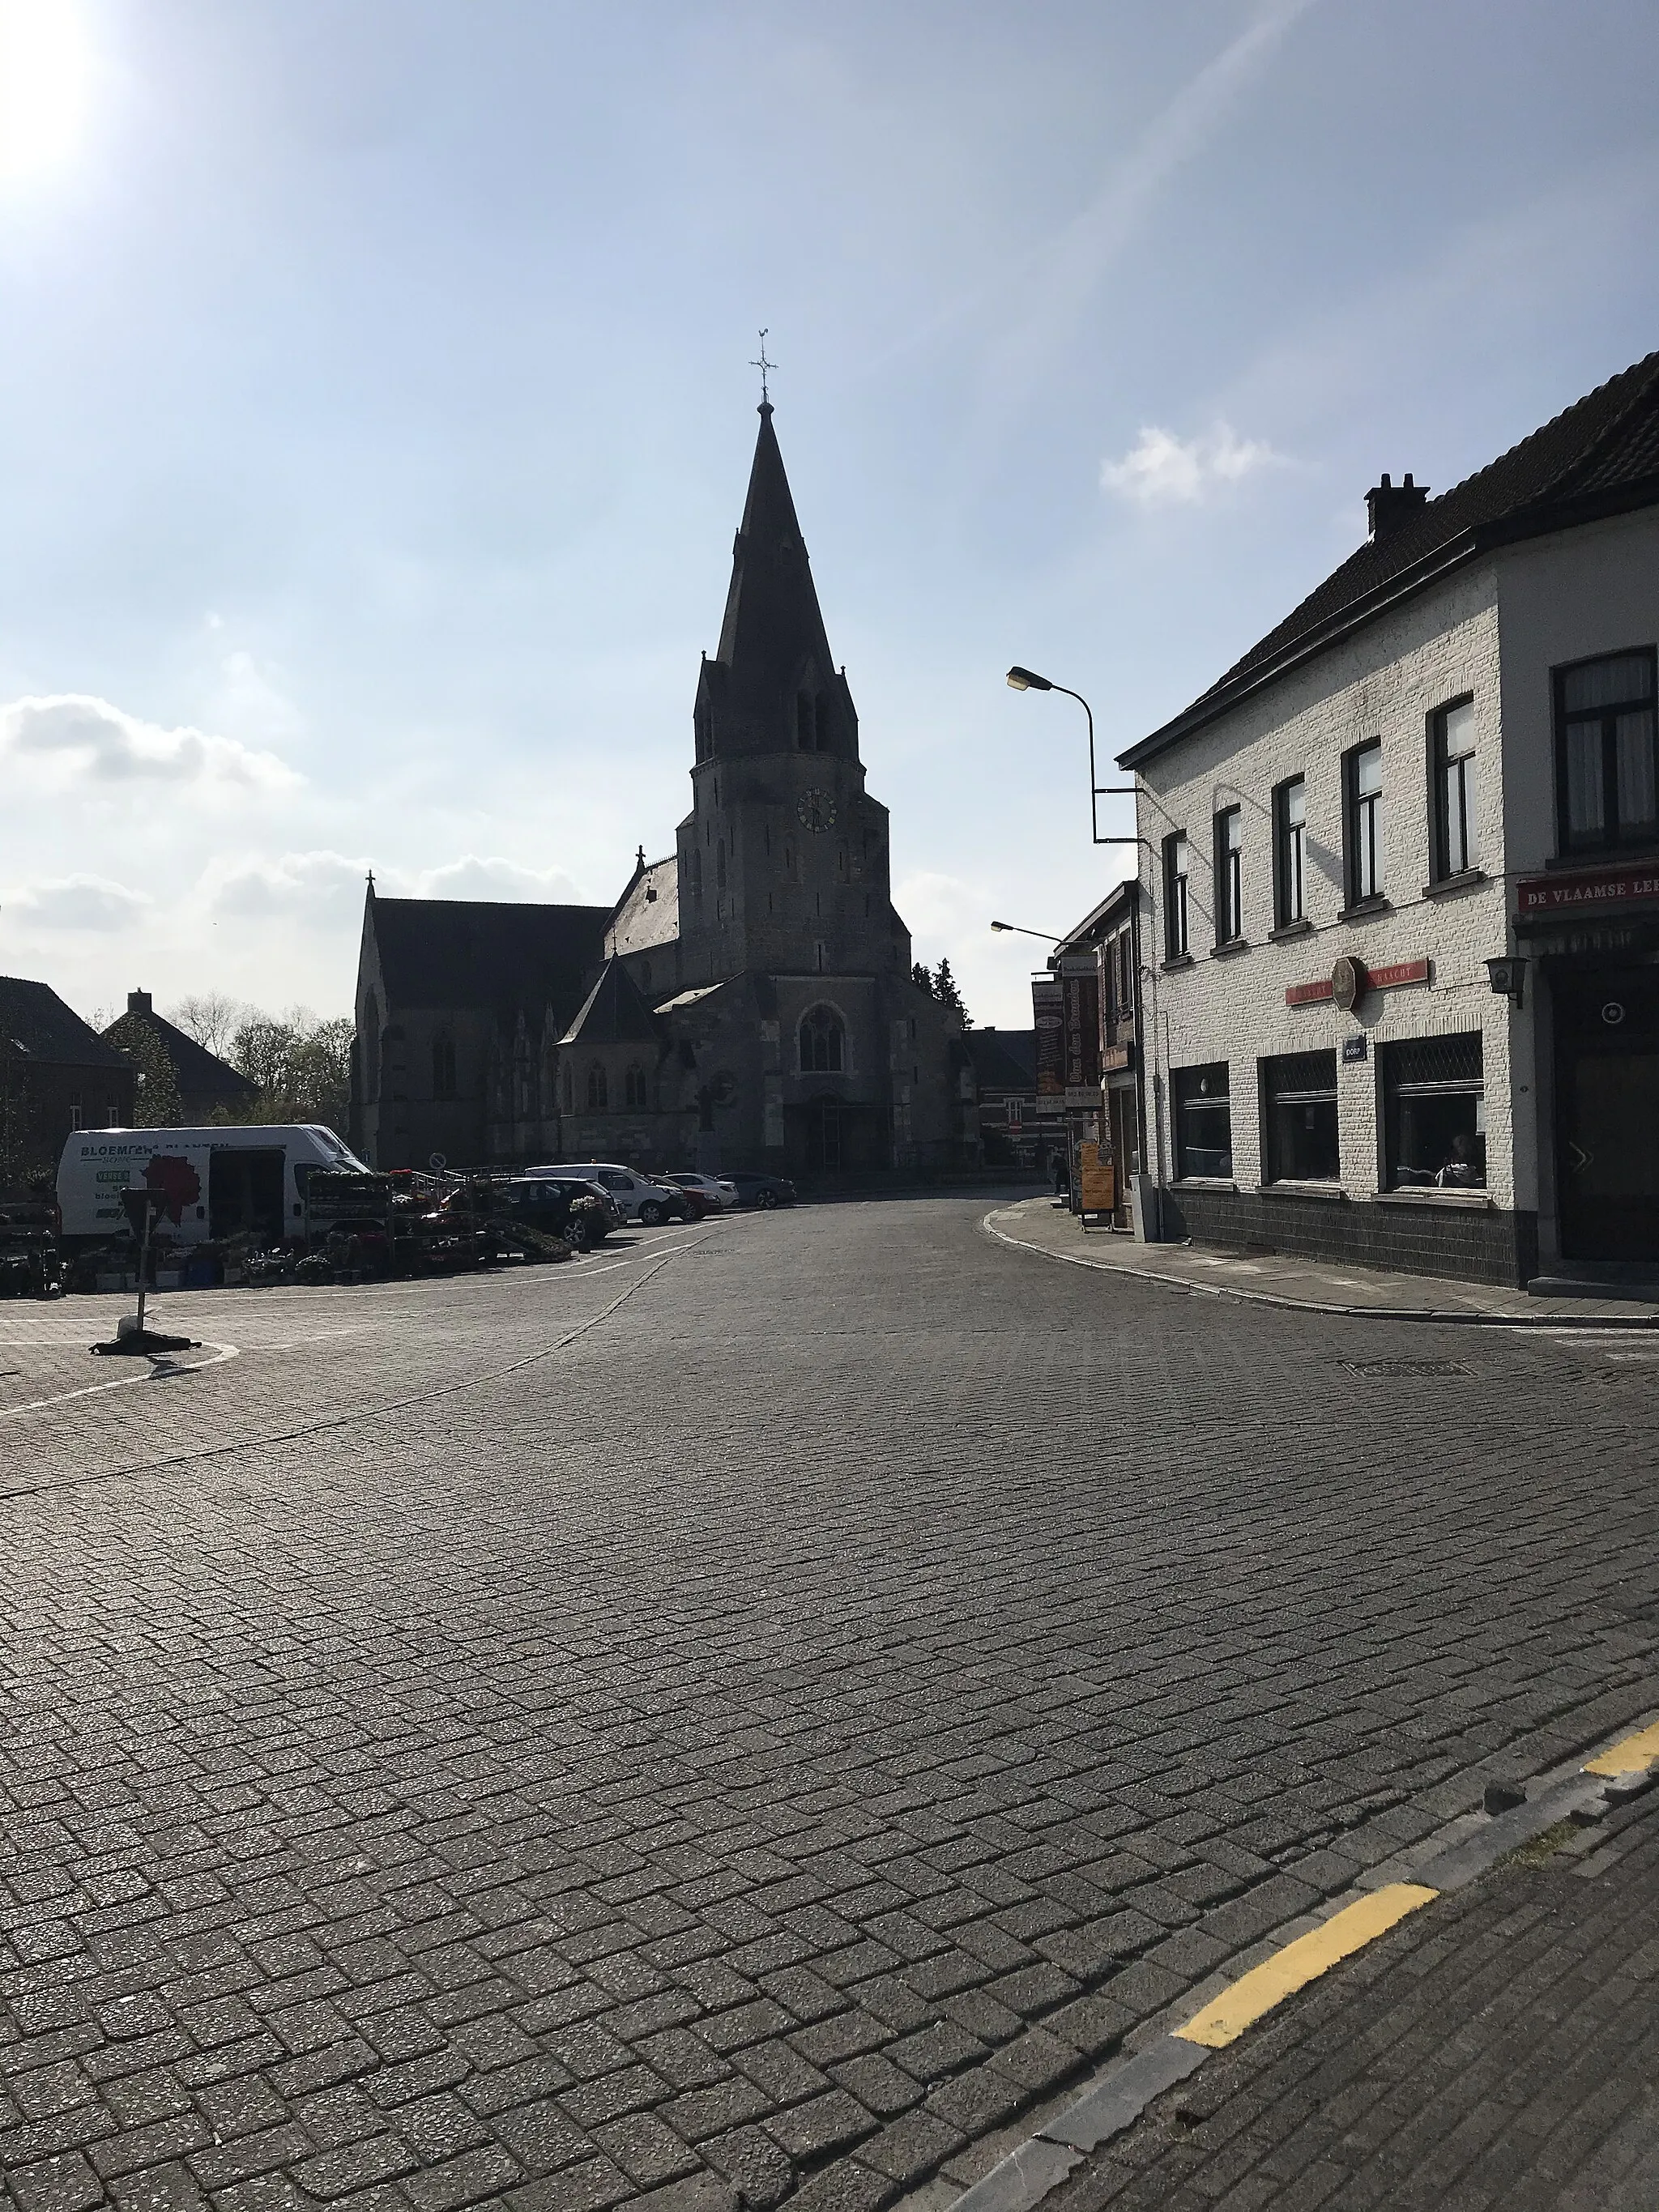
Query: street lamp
[1019, 930]
[1027, 679]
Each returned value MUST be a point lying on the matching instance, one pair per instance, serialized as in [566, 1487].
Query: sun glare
[43, 84]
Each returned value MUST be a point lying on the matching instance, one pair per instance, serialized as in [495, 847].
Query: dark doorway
[1607, 1113]
[245, 1191]
[824, 1139]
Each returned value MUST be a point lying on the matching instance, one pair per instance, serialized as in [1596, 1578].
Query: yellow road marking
[1227, 2016]
[1632, 1756]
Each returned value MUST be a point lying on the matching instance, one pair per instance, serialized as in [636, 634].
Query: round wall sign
[1613, 1013]
[1348, 982]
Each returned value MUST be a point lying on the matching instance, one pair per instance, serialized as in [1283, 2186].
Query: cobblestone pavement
[1501, 2049]
[756, 1711]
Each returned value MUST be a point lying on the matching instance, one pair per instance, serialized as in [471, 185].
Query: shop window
[1290, 852]
[1230, 875]
[1434, 1114]
[1175, 868]
[443, 1067]
[1203, 1120]
[635, 1087]
[1452, 745]
[822, 1041]
[1606, 784]
[599, 1091]
[1298, 1098]
[1362, 777]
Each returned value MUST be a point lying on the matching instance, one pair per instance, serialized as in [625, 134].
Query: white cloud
[316, 888]
[76, 902]
[1160, 470]
[70, 736]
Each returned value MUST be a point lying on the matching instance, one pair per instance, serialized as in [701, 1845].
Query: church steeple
[772, 686]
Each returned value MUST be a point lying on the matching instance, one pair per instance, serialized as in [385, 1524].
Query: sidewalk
[1278, 1278]
[1499, 2050]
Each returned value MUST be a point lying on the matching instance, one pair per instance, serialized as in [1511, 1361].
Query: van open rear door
[247, 1192]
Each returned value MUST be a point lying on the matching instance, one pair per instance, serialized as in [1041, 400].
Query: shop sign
[1049, 1018]
[1097, 1179]
[1082, 1004]
[1573, 894]
[1115, 1057]
[1083, 1098]
[1350, 980]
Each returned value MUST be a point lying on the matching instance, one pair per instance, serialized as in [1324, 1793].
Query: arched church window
[806, 721]
[443, 1067]
[822, 1041]
[635, 1086]
[598, 1091]
[696, 858]
[789, 858]
[371, 1050]
[720, 866]
[705, 731]
[570, 1089]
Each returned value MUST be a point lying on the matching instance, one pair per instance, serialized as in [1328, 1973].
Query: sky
[376, 411]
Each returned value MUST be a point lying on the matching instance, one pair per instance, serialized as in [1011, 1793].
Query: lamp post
[1027, 679]
[1020, 930]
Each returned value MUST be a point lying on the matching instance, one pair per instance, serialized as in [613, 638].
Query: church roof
[1599, 457]
[464, 953]
[772, 627]
[613, 1012]
[649, 912]
[35, 1022]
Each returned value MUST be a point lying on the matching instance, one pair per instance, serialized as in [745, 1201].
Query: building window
[1203, 1120]
[443, 1067]
[76, 1121]
[1452, 787]
[720, 866]
[1290, 852]
[1605, 768]
[1434, 1113]
[634, 1087]
[1298, 1097]
[570, 1089]
[705, 732]
[1176, 865]
[1230, 875]
[822, 1042]
[695, 859]
[1362, 775]
[599, 1091]
[806, 718]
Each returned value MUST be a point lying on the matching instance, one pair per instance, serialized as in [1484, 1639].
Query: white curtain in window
[1584, 777]
[1608, 683]
[1633, 745]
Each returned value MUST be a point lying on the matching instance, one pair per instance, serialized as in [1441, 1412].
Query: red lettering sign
[1376, 979]
[1568, 894]
[1303, 994]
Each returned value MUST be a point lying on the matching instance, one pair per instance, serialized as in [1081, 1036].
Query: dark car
[605, 1213]
[767, 1190]
[573, 1211]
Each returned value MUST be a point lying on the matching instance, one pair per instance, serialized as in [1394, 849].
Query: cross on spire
[765, 367]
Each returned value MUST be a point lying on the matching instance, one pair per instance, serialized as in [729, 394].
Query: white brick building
[1445, 754]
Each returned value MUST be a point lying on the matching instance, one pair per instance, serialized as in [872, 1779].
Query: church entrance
[826, 1138]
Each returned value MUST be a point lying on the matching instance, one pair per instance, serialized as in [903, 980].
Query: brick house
[1444, 756]
[208, 1088]
[57, 1075]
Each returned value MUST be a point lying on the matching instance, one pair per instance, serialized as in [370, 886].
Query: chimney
[138, 1002]
[1387, 505]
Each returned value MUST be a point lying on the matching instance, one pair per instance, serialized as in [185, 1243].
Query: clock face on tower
[817, 810]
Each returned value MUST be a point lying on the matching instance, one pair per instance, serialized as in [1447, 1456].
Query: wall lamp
[1027, 679]
[1508, 975]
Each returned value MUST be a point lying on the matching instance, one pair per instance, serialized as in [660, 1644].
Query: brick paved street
[489, 1742]
[1499, 2050]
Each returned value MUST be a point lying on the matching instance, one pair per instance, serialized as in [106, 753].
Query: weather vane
[765, 367]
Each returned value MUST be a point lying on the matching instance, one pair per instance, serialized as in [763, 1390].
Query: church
[747, 1002]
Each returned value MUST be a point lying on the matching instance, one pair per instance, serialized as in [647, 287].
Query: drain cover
[1406, 1369]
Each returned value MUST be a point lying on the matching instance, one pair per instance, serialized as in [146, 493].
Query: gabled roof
[649, 912]
[1600, 457]
[197, 1072]
[35, 1022]
[613, 1012]
[466, 953]
[1003, 1059]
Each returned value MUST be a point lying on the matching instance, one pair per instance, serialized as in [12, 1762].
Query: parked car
[609, 1212]
[577, 1212]
[636, 1197]
[719, 1192]
[766, 1190]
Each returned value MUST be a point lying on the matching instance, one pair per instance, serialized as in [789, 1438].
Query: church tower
[783, 859]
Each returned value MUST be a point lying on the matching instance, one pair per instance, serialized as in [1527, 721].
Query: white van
[229, 1182]
[635, 1197]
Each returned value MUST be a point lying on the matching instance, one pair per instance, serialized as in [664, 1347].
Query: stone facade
[748, 1002]
[1494, 633]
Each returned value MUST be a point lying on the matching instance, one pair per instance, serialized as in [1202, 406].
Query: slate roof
[1003, 1059]
[613, 1012]
[1599, 457]
[465, 953]
[649, 912]
[197, 1072]
[35, 1020]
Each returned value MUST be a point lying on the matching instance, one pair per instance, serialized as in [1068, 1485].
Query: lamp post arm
[1098, 791]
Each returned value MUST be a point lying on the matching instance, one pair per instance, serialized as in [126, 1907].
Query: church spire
[772, 674]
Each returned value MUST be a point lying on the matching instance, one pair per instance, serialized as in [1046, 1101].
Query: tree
[212, 1018]
[922, 976]
[159, 1105]
[300, 1068]
[947, 993]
